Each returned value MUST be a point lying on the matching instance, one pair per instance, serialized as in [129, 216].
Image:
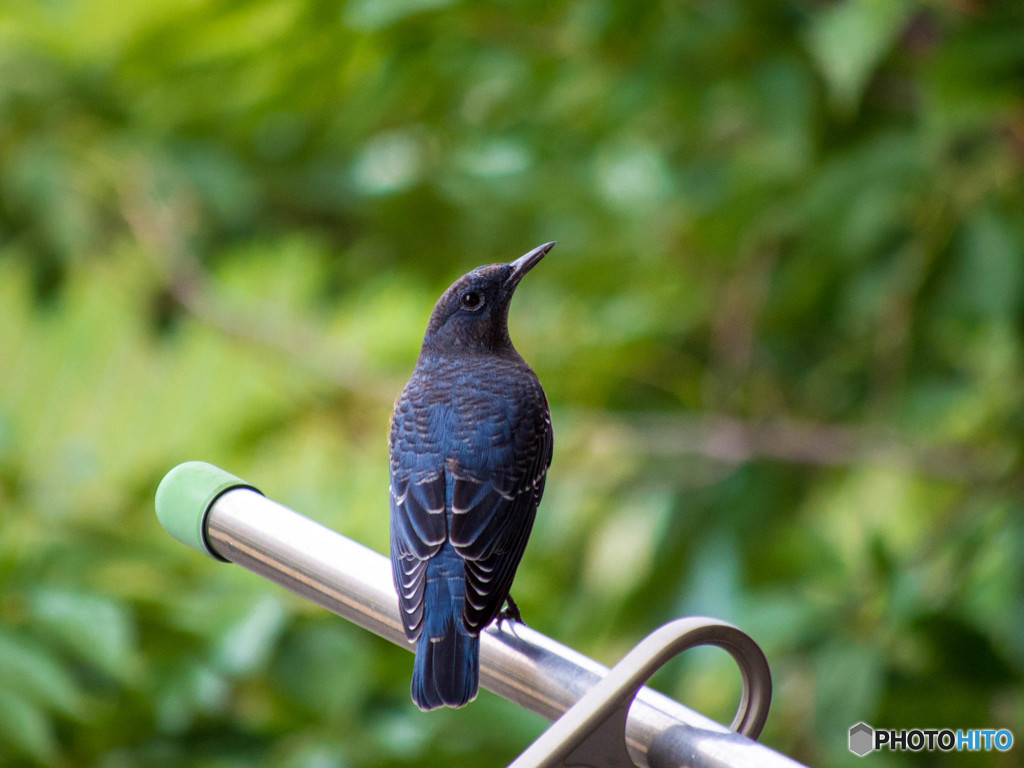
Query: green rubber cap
[185, 496]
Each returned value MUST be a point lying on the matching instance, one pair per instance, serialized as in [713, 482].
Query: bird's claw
[510, 612]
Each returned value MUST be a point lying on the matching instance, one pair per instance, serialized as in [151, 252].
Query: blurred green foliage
[781, 336]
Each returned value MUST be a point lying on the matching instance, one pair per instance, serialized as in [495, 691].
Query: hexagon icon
[862, 738]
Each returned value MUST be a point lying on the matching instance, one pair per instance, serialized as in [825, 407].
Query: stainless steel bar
[516, 662]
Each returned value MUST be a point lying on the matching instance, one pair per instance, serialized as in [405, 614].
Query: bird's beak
[525, 263]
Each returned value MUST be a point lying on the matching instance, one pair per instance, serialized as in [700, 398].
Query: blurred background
[781, 336]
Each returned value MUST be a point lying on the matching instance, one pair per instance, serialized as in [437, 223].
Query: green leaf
[31, 673]
[249, 642]
[850, 678]
[97, 629]
[323, 667]
[849, 40]
[188, 692]
[369, 15]
[991, 272]
[26, 728]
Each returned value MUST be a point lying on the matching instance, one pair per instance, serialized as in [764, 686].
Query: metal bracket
[592, 733]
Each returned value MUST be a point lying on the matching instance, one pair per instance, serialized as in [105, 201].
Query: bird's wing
[417, 533]
[492, 518]
[418, 525]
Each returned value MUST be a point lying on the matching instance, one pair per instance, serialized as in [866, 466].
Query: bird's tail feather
[447, 669]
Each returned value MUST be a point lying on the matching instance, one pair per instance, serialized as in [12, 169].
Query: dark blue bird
[470, 448]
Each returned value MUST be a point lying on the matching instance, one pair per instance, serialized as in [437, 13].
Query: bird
[469, 449]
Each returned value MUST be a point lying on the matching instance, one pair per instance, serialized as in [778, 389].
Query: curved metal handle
[593, 731]
[226, 518]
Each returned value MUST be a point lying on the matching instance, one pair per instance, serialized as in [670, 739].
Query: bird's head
[472, 315]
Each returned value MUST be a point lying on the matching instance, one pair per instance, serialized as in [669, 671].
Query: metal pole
[516, 662]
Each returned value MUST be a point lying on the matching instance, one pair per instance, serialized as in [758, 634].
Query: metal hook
[592, 732]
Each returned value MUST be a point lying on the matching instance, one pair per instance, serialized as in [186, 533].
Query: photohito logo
[865, 739]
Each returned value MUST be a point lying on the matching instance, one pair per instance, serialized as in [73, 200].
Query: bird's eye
[471, 300]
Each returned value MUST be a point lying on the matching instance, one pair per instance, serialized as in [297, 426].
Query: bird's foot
[510, 612]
